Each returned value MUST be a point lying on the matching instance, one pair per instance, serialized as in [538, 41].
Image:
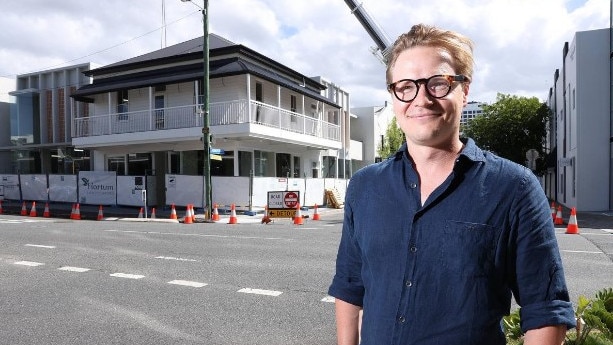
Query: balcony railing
[222, 113]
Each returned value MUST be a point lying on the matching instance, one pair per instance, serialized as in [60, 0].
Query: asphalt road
[117, 282]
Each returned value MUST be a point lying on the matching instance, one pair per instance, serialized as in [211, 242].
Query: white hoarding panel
[130, 190]
[63, 188]
[97, 187]
[184, 189]
[34, 187]
[10, 187]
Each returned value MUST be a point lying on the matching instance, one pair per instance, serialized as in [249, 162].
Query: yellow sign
[282, 213]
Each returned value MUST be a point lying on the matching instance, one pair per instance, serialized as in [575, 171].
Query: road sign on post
[282, 204]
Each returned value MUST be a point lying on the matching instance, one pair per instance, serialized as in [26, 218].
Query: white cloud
[518, 42]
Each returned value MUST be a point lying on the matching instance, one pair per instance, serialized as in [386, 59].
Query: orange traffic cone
[100, 213]
[315, 213]
[188, 216]
[33, 209]
[24, 210]
[173, 212]
[46, 212]
[77, 212]
[559, 220]
[140, 213]
[573, 227]
[298, 217]
[233, 219]
[266, 219]
[152, 213]
[72, 211]
[192, 212]
[215, 216]
[1, 210]
[553, 211]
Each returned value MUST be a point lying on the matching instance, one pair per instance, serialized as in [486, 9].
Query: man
[437, 237]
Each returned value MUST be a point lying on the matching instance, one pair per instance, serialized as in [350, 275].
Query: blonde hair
[459, 47]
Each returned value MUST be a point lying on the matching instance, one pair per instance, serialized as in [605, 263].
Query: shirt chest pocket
[467, 249]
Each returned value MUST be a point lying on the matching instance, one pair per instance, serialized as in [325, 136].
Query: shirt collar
[471, 151]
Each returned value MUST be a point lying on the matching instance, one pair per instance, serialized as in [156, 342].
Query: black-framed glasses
[437, 86]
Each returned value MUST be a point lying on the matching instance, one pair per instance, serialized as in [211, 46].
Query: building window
[297, 166]
[264, 163]
[293, 107]
[117, 164]
[139, 164]
[245, 163]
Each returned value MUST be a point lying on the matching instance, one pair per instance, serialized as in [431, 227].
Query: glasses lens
[405, 90]
[438, 87]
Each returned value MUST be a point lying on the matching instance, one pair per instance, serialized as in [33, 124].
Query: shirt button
[401, 319]
[413, 249]
[413, 185]
[408, 283]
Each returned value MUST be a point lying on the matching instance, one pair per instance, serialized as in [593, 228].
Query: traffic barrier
[1, 209]
[266, 219]
[24, 209]
[215, 216]
[559, 220]
[573, 227]
[188, 216]
[77, 212]
[173, 212]
[298, 217]
[100, 213]
[315, 213]
[46, 212]
[233, 219]
[140, 213]
[152, 213]
[33, 209]
[553, 211]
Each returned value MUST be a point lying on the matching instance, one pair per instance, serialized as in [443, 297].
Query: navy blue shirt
[444, 272]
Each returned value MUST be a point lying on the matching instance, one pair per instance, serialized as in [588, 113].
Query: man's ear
[465, 88]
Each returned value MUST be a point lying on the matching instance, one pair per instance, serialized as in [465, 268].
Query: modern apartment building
[580, 143]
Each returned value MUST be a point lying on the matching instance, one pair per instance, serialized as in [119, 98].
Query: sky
[518, 43]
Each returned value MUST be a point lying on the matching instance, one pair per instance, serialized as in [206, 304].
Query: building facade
[581, 125]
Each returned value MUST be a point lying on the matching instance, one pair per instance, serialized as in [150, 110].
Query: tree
[394, 137]
[511, 127]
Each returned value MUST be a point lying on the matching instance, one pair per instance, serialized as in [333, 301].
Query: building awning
[190, 72]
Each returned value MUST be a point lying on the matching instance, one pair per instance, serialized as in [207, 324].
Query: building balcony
[228, 118]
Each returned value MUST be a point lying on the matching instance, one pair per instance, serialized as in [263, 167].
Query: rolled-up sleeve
[539, 284]
[347, 284]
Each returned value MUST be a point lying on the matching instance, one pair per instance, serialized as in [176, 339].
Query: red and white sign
[283, 199]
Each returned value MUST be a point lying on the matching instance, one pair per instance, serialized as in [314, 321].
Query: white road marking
[73, 269]
[328, 299]
[177, 259]
[29, 263]
[39, 246]
[261, 292]
[127, 275]
[187, 283]
[581, 251]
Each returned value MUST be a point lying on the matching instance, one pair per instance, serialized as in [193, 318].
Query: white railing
[221, 113]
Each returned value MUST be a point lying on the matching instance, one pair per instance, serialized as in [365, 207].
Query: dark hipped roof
[183, 54]
[218, 68]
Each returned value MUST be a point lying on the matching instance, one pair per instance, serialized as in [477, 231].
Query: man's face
[426, 120]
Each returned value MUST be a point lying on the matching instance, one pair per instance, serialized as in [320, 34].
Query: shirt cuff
[551, 313]
[348, 290]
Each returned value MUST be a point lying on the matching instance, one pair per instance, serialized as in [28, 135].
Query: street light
[208, 193]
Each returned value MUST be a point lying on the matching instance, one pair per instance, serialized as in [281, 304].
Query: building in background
[369, 127]
[471, 110]
[579, 141]
[6, 85]
[40, 117]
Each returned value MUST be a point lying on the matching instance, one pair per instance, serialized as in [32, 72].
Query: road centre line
[177, 259]
[127, 275]
[581, 251]
[187, 283]
[328, 299]
[39, 246]
[29, 263]
[73, 269]
[260, 292]
[205, 235]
